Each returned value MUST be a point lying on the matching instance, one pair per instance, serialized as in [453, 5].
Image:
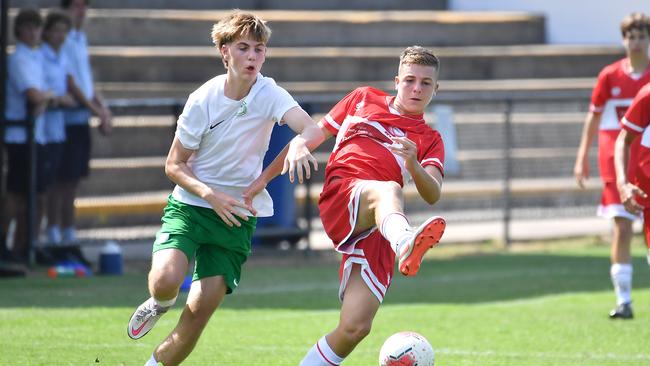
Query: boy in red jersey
[381, 142]
[632, 188]
[617, 84]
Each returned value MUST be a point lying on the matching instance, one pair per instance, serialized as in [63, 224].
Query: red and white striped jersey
[363, 123]
[614, 91]
[613, 94]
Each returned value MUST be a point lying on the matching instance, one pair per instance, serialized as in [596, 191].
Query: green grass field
[545, 305]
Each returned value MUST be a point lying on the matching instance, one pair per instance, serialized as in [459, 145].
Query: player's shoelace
[146, 312]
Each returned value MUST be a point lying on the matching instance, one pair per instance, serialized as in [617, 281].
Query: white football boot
[144, 318]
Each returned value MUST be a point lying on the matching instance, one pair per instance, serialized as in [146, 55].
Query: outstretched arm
[428, 180]
[295, 155]
[298, 154]
[626, 189]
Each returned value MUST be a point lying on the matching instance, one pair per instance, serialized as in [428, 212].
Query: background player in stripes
[617, 84]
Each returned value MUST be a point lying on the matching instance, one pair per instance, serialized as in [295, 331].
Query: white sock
[394, 227]
[321, 355]
[165, 303]
[152, 361]
[621, 274]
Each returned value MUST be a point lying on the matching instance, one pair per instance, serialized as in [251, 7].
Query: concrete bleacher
[257, 4]
[302, 28]
[191, 63]
[319, 52]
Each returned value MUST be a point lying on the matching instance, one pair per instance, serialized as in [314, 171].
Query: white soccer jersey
[230, 138]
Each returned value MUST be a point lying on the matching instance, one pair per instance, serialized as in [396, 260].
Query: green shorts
[199, 232]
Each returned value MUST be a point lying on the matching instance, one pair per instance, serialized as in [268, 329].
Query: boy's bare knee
[163, 283]
[356, 332]
[201, 311]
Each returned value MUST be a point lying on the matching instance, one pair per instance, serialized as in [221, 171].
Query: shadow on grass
[470, 279]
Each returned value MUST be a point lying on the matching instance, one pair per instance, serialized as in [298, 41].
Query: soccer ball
[406, 349]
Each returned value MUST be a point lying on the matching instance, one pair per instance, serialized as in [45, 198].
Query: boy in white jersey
[382, 141]
[221, 138]
[617, 85]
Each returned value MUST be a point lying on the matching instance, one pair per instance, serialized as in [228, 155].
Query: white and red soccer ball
[406, 349]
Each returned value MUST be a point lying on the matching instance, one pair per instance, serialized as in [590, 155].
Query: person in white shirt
[26, 95]
[217, 152]
[67, 94]
[76, 150]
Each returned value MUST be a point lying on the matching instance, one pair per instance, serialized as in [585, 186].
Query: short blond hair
[418, 55]
[240, 24]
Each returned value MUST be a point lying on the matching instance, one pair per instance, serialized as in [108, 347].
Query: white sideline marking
[545, 355]
[490, 353]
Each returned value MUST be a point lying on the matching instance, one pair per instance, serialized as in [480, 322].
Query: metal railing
[170, 106]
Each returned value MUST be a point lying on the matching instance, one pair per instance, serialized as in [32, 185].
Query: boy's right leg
[382, 204]
[168, 269]
[358, 310]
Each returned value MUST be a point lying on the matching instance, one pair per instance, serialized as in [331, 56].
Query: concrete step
[137, 174]
[477, 131]
[124, 210]
[340, 28]
[145, 208]
[135, 136]
[256, 4]
[125, 175]
[572, 222]
[525, 163]
[329, 92]
[197, 64]
[152, 135]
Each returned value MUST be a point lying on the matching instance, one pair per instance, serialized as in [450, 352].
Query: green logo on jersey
[243, 108]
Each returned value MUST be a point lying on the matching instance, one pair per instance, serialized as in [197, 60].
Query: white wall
[569, 21]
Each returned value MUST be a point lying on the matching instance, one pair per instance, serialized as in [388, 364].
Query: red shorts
[610, 203]
[339, 206]
[377, 260]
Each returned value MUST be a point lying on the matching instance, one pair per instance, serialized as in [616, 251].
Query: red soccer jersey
[614, 91]
[363, 123]
[636, 121]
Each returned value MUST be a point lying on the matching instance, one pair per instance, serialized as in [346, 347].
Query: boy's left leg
[359, 308]
[203, 299]
[621, 268]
